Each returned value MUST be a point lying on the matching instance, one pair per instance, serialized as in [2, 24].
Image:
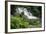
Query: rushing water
[26, 12]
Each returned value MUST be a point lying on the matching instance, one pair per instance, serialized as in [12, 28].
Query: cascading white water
[19, 10]
[26, 13]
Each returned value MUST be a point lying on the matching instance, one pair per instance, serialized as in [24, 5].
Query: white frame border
[25, 29]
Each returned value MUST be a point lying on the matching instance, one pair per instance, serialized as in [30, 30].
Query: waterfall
[26, 13]
[19, 10]
[29, 14]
